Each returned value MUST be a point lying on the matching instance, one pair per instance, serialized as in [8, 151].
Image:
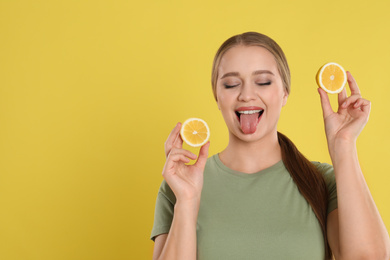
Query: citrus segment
[195, 132]
[331, 77]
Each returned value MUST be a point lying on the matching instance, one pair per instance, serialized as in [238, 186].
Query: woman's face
[250, 92]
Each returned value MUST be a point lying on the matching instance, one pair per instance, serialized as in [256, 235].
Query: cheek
[223, 100]
[274, 99]
[270, 97]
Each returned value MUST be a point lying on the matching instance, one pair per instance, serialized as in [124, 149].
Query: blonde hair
[252, 39]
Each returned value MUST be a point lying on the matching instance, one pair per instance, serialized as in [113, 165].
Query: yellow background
[90, 90]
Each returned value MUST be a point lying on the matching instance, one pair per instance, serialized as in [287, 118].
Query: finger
[179, 158]
[171, 138]
[178, 141]
[173, 159]
[174, 132]
[358, 103]
[203, 154]
[363, 104]
[352, 84]
[366, 106]
[350, 100]
[342, 96]
[184, 152]
[326, 107]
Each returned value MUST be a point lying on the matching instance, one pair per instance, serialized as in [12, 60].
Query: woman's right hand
[186, 181]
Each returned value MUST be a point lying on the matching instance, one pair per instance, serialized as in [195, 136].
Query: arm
[186, 181]
[361, 231]
[180, 242]
[355, 229]
[159, 243]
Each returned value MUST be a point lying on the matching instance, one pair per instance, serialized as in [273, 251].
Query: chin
[260, 134]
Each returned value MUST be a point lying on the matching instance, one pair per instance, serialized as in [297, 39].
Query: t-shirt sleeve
[330, 179]
[163, 214]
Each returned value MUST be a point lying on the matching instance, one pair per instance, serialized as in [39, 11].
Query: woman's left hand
[346, 124]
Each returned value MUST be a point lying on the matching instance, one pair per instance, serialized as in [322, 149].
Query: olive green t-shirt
[251, 216]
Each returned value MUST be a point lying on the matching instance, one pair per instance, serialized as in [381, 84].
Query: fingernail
[344, 104]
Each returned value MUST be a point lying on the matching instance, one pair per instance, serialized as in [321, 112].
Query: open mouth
[249, 119]
[248, 112]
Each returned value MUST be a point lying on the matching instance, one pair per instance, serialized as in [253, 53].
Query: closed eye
[230, 86]
[264, 84]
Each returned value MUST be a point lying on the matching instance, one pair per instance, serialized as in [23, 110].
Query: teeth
[248, 112]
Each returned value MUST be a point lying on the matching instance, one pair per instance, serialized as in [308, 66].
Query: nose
[247, 93]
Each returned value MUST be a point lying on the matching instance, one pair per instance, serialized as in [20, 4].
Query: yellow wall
[89, 91]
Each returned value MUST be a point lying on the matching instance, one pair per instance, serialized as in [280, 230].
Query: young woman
[260, 198]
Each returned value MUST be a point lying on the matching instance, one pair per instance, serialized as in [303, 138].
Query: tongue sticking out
[249, 122]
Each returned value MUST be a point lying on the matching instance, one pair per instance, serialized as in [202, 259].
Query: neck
[251, 157]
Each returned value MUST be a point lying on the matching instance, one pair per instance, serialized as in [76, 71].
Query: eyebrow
[254, 73]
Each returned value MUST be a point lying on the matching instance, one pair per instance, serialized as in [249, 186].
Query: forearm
[181, 240]
[361, 228]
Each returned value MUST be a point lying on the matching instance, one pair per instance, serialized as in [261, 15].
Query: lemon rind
[319, 78]
[188, 142]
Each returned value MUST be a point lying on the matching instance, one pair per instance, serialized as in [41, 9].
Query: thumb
[203, 154]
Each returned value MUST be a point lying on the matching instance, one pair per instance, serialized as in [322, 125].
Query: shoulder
[212, 160]
[326, 170]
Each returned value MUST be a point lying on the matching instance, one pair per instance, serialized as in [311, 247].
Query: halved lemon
[331, 77]
[195, 132]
